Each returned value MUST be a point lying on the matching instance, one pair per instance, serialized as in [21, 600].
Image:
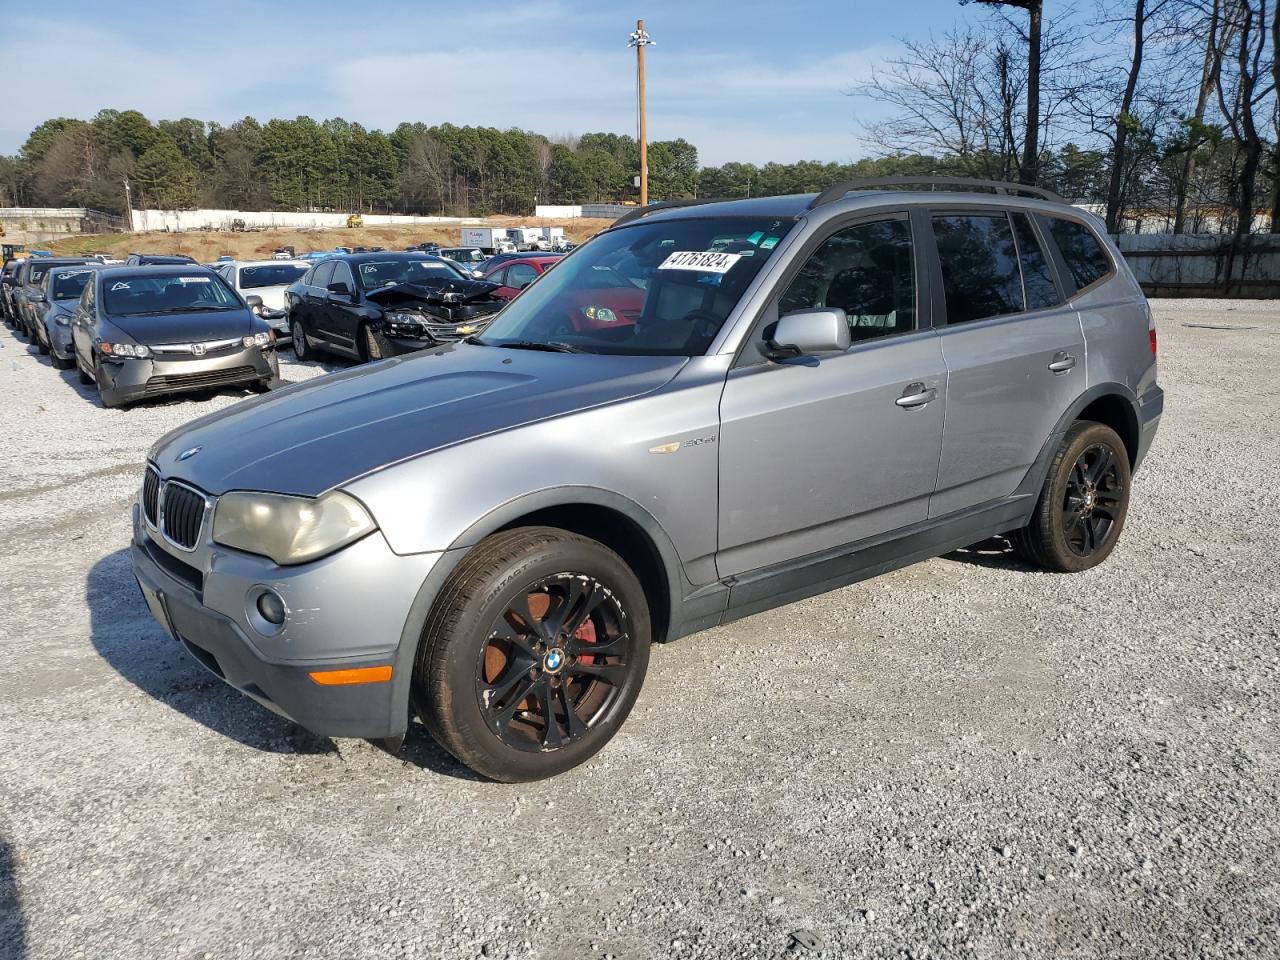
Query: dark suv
[705, 411]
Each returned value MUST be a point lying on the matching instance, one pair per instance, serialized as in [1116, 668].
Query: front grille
[151, 495]
[209, 378]
[182, 515]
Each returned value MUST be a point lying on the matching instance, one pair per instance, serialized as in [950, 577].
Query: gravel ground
[964, 758]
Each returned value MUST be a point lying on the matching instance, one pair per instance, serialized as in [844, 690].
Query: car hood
[434, 290]
[308, 438]
[184, 327]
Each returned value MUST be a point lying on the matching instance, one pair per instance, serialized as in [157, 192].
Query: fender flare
[497, 518]
[1034, 480]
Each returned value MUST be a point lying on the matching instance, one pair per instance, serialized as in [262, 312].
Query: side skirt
[786, 583]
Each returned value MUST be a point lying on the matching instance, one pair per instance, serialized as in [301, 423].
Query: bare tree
[1029, 167]
[1208, 26]
[1242, 87]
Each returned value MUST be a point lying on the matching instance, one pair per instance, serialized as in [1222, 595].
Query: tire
[1083, 505]
[477, 663]
[59, 363]
[301, 349]
[85, 378]
[41, 345]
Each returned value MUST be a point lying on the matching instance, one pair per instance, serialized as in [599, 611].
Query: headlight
[603, 314]
[135, 350]
[409, 319]
[62, 320]
[257, 339]
[289, 529]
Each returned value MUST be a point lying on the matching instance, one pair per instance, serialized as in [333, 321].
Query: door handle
[1062, 362]
[916, 395]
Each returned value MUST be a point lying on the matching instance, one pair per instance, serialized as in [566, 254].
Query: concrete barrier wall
[175, 220]
[1202, 265]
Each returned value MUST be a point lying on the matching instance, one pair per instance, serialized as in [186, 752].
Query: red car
[514, 275]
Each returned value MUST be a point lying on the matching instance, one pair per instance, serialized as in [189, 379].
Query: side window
[342, 274]
[980, 273]
[86, 298]
[521, 275]
[323, 274]
[867, 271]
[1083, 253]
[1037, 280]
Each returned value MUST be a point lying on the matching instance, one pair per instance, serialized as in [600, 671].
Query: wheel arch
[609, 518]
[1120, 413]
[1110, 403]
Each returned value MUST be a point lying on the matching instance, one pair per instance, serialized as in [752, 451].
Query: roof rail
[639, 212]
[837, 190]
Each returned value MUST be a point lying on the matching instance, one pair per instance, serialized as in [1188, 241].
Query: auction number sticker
[73, 273]
[195, 280]
[703, 261]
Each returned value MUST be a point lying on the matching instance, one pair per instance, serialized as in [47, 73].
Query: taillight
[1152, 331]
[1151, 328]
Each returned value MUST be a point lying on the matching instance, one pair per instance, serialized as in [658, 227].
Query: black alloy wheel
[1082, 506]
[533, 654]
[555, 660]
[1091, 502]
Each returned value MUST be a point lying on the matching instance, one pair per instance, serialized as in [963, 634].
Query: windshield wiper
[550, 346]
[157, 313]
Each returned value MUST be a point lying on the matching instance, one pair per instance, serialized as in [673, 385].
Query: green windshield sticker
[769, 243]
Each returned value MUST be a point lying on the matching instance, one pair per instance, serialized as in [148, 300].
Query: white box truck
[491, 240]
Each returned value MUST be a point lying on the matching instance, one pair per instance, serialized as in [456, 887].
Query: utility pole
[640, 40]
[128, 204]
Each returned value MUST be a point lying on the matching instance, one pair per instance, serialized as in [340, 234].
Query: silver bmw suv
[708, 410]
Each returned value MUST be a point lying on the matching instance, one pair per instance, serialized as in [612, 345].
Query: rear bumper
[136, 379]
[1150, 407]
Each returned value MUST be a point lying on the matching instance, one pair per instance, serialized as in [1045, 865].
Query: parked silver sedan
[54, 307]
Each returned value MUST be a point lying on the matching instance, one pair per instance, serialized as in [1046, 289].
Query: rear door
[1014, 352]
[821, 452]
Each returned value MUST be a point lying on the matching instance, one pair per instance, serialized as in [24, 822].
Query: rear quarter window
[1082, 252]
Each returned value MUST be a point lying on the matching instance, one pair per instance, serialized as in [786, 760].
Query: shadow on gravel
[13, 939]
[126, 636]
[996, 553]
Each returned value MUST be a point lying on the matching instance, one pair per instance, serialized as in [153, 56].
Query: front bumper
[132, 379]
[60, 341]
[346, 611]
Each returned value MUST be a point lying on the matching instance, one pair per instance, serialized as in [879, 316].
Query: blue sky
[742, 80]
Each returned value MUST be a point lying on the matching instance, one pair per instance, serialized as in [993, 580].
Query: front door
[1014, 353]
[819, 453]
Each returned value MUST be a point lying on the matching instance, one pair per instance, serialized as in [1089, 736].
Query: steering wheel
[704, 323]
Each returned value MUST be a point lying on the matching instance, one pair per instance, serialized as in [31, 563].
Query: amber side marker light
[342, 678]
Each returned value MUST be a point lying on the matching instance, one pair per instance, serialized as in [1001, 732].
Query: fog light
[271, 607]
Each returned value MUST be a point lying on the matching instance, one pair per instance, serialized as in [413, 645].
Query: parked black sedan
[373, 305]
[145, 331]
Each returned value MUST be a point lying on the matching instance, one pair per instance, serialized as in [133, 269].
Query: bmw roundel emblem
[188, 454]
[554, 660]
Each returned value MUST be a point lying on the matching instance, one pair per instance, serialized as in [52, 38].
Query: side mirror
[254, 301]
[808, 332]
[340, 291]
[36, 298]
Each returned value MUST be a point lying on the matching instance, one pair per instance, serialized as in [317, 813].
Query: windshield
[35, 275]
[275, 275]
[462, 254]
[69, 284]
[173, 293]
[377, 274]
[662, 288]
